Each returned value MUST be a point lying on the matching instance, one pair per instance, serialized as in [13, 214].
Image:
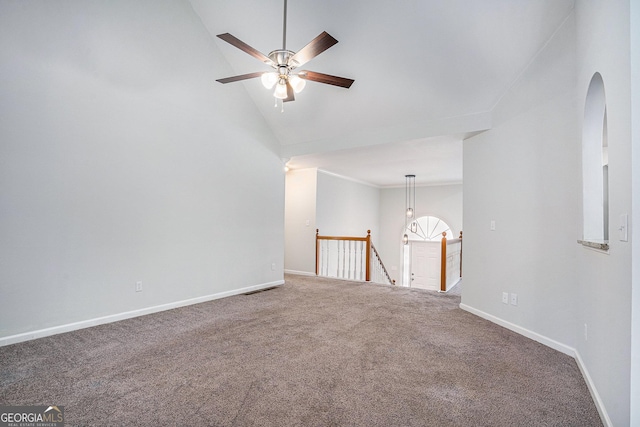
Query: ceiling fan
[284, 62]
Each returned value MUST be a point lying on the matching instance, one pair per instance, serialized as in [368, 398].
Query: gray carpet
[313, 352]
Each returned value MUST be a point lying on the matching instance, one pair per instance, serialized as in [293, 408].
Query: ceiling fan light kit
[284, 62]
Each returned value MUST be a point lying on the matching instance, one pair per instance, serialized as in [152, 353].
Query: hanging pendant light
[410, 206]
[410, 183]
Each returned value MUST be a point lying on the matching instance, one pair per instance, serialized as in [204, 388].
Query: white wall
[442, 201]
[635, 218]
[300, 221]
[605, 280]
[122, 161]
[335, 205]
[525, 173]
[346, 207]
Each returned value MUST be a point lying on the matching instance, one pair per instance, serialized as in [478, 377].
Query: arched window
[595, 165]
[428, 228]
[423, 229]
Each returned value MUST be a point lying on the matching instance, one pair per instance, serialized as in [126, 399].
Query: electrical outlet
[492, 226]
[514, 299]
[138, 286]
[273, 266]
[505, 298]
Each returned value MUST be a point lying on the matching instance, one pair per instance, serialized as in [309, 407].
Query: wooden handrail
[358, 239]
[384, 269]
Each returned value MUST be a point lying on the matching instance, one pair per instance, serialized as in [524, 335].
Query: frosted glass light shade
[269, 79]
[297, 83]
[281, 90]
[405, 239]
[409, 212]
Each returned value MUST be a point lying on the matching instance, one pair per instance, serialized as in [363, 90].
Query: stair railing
[450, 262]
[347, 257]
[378, 269]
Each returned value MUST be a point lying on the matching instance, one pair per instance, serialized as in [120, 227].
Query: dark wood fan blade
[245, 47]
[315, 47]
[326, 78]
[241, 77]
[290, 96]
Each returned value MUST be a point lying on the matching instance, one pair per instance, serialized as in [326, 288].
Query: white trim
[562, 348]
[299, 273]
[595, 246]
[604, 416]
[27, 336]
[424, 184]
[346, 178]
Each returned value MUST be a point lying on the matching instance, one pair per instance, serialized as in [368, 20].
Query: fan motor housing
[281, 58]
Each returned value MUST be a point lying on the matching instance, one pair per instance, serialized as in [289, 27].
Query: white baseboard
[562, 348]
[452, 285]
[27, 336]
[300, 273]
[604, 416]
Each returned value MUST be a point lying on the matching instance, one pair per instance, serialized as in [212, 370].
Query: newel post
[317, 252]
[460, 253]
[368, 255]
[443, 263]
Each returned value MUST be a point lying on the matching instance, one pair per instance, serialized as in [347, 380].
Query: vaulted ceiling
[427, 74]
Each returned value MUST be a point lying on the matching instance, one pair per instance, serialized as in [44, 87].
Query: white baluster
[361, 260]
[349, 270]
[344, 255]
[338, 260]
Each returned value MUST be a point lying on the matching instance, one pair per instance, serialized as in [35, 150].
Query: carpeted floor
[312, 352]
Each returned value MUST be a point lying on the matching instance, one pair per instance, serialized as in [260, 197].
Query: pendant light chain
[414, 198]
[410, 211]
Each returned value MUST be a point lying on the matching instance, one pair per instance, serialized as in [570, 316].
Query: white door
[425, 261]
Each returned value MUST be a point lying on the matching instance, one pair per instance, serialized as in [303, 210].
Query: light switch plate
[623, 229]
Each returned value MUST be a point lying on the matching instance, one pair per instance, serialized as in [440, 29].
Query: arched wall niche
[595, 164]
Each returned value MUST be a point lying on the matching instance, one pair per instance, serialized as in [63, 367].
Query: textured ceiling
[422, 69]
